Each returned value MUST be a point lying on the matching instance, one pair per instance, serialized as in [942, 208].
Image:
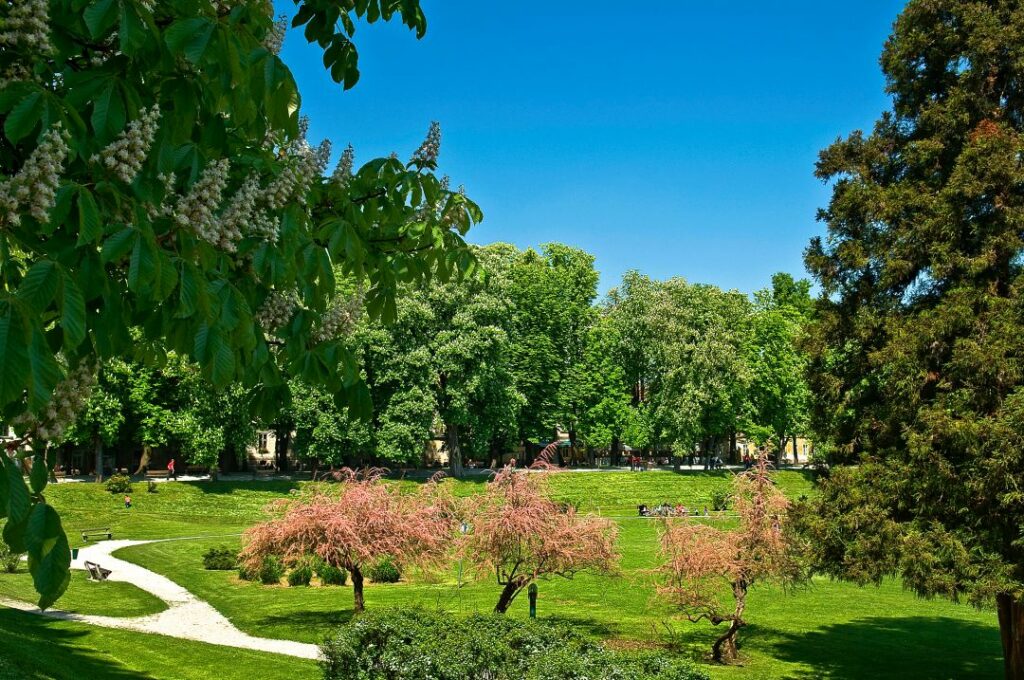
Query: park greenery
[179, 269]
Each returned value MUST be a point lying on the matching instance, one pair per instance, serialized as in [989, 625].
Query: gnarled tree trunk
[508, 593]
[1011, 629]
[357, 589]
[724, 650]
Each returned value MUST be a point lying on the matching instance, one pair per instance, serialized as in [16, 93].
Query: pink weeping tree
[702, 563]
[519, 534]
[355, 523]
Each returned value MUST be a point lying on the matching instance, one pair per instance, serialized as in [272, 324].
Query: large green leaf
[13, 355]
[72, 308]
[40, 473]
[44, 372]
[100, 16]
[24, 117]
[49, 555]
[39, 286]
[90, 228]
[190, 37]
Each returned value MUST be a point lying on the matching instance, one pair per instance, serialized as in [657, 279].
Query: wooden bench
[155, 474]
[96, 533]
[96, 572]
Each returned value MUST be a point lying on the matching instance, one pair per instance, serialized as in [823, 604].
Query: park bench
[96, 533]
[154, 474]
[96, 572]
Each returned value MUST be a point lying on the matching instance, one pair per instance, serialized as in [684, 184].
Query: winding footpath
[186, 616]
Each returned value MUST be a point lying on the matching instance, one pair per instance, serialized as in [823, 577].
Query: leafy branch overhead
[158, 193]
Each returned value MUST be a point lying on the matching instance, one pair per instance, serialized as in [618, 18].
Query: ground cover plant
[819, 631]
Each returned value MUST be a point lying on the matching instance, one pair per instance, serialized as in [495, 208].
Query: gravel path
[186, 616]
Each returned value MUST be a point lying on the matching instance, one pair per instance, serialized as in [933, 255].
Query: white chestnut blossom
[35, 186]
[126, 154]
[275, 36]
[303, 167]
[241, 208]
[265, 226]
[196, 209]
[26, 26]
[426, 155]
[339, 319]
[343, 171]
[68, 399]
[276, 310]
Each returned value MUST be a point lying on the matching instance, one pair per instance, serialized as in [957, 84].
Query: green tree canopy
[916, 353]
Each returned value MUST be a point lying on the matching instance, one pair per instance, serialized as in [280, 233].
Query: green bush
[300, 575]
[419, 645]
[271, 571]
[151, 487]
[331, 576]
[221, 558]
[119, 484]
[385, 571]
[245, 573]
[9, 561]
[720, 499]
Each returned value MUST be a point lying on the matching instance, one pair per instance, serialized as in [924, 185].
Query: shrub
[245, 573]
[385, 571]
[412, 643]
[330, 575]
[151, 487]
[720, 499]
[221, 558]
[271, 570]
[119, 484]
[9, 560]
[300, 575]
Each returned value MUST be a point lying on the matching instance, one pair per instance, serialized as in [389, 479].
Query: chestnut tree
[158, 193]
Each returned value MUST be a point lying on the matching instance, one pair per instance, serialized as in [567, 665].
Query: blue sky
[677, 139]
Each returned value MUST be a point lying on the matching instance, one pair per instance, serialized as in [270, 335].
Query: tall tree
[779, 394]
[699, 392]
[154, 174]
[916, 356]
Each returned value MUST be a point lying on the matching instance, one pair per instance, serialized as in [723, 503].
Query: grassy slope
[829, 630]
[83, 596]
[44, 649]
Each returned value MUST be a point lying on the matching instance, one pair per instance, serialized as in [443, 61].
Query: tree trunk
[796, 454]
[733, 458]
[1011, 629]
[98, 448]
[508, 593]
[357, 589]
[616, 452]
[724, 650]
[451, 442]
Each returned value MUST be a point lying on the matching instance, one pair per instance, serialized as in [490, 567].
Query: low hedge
[414, 644]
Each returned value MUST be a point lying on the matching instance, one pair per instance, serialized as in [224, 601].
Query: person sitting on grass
[127, 502]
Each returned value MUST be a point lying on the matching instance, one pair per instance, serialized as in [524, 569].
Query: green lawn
[827, 630]
[108, 598]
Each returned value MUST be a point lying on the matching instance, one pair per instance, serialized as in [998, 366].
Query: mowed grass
[106, 598]
[826, 630]
[37, 648]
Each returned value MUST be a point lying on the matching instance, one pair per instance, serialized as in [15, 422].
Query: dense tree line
[525, 349]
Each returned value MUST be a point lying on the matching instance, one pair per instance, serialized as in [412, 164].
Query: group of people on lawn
[669, 510]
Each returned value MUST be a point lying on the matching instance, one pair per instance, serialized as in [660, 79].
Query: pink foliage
[519, 534]
[702, 563]
[352, 524]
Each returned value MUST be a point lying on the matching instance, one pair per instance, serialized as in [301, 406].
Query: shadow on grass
[325, 621]
[878, 647]
[39, 648]
[588, 626]
[273, 487]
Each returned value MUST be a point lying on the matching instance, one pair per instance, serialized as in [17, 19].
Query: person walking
[172, 473]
